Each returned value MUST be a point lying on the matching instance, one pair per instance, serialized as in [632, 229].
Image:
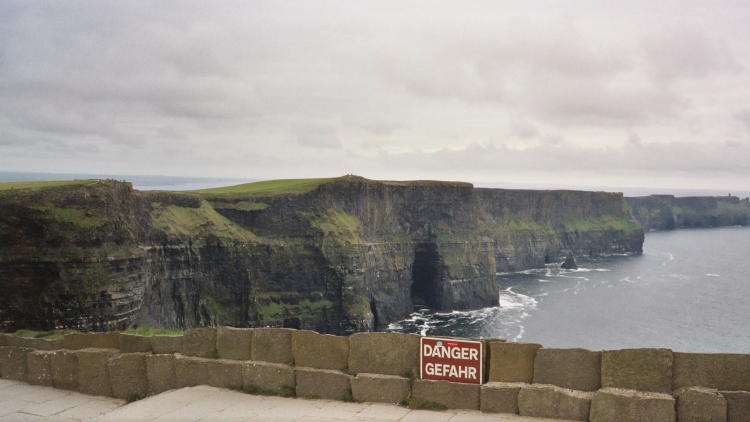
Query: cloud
[479, 91]
[744, 117]
[687, 52]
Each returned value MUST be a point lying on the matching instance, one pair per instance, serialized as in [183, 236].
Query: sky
[578, 93]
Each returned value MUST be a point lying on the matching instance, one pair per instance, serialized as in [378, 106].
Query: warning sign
[450, 360]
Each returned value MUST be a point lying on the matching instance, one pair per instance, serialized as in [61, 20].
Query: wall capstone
[512, 362]
[638, 369]
[577, 369]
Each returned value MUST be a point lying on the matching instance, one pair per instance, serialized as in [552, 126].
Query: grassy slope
[43, 184]
[268, 187]
[187, 222]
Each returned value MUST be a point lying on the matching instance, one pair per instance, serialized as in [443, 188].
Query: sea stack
[570, 262]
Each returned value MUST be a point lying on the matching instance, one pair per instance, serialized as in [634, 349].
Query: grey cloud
[687, 52]
[402, 89]
[744, 117]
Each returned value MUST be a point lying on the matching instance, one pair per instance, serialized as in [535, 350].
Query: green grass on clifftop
[192, 222]
[269, 187]
[43, 185]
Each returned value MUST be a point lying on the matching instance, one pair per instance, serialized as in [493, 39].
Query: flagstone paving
[23, 402]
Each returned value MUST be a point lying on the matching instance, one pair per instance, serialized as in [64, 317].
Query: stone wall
[630, 385]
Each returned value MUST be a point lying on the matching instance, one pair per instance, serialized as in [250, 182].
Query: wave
[511, 300]
[512, 309]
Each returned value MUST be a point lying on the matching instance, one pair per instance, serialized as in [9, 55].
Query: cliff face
[666, 212]
[335, 255]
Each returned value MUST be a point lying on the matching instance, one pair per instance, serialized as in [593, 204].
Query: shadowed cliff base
[336, 255]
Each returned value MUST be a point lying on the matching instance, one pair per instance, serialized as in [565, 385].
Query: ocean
[689, 291]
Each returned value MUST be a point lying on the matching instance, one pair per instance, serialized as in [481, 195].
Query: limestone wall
[630, 385]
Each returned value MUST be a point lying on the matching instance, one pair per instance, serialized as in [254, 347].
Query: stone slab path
[23, 402]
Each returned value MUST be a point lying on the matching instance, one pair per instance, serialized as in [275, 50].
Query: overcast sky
[643, 93]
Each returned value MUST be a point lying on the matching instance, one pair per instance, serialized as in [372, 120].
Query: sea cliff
[335, 255]
[667, 212]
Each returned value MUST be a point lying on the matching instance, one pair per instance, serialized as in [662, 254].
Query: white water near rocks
[689, 291]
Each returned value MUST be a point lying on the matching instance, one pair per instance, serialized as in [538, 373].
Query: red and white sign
[450, 359]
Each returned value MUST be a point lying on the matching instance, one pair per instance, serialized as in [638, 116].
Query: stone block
[322, 383]
[200, 342]
[128, 374]
[274, 378]
[618, 405]
[723, 371]
[577, 369]
[34, 343]
[384, 353]
[234, 343]
[64, 368]
[486, 342]
[512, 362]
[272, 345]
[638, 369]
[738, 405]
[131, 343]
[500, 397]
[190, 371]
[450, 394]
[166, 344]
[321, 351]
[225, 373]
[13, 362]
[160, 373]
[701, 404]
[93, 376]
[551, 401]
[77, 341]
[379, 388]
[39, 367]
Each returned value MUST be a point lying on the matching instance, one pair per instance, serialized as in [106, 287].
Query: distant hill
[667, 212]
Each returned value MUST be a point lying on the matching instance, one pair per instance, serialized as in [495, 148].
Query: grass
[411, 375]
[135, 397]
[241, 205]
[148, 331]
[190, 222]
[348, 396]
[47, 335]
[285, 391]
[605, 222]
[76, 216]
[269, 187]
[339, 225]
[422, 404]
[43, 184]
[275, 309]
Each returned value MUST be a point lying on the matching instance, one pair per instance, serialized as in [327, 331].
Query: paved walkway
[23, 402]
[29, 403]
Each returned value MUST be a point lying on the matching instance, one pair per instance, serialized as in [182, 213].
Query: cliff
[666, 212]
[335, 255]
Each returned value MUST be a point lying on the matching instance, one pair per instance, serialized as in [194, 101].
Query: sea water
[689, 291]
